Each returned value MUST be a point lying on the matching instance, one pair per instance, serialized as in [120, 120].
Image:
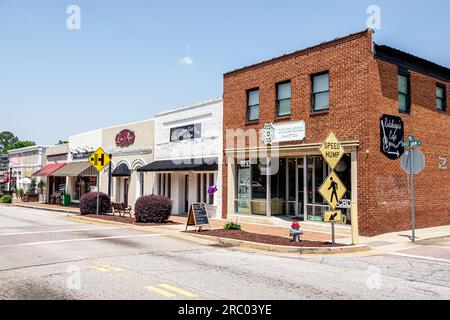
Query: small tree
[41, 187]
[32, 187]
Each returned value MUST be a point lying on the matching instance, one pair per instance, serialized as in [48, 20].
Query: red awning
[49, 169]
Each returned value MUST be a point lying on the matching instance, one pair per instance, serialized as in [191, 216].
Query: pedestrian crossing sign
[99, 159]
[333, 216]
[333, 190]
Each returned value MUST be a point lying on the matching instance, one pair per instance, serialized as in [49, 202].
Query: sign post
[332, 189]
[413, 162]
[99, 160]
[198, 216]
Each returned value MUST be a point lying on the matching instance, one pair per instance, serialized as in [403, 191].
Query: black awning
[121, 171]
[210, 164]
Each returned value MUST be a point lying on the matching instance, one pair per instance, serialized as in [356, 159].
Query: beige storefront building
[131, 147]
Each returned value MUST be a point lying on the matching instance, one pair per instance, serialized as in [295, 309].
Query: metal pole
[411, 153]
[333, 235]
[98, 191]
[110, 177]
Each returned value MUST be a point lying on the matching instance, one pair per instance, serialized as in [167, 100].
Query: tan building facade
[130, 147]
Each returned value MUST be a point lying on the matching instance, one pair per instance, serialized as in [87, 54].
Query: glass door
[300, 188]
[318, 171]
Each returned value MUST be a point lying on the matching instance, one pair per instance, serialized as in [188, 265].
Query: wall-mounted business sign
[81, 154]
[283, 132]
[391, 136]
[125, 138]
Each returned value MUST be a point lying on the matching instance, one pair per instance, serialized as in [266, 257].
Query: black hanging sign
[391, 136]
[198, 216]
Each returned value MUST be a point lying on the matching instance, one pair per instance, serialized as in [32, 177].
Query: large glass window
[278, 189]
[321, 92]
[243, 187]
[253, 105]
[404, 96]
[259, 188]
[284, 99]
[441, 97]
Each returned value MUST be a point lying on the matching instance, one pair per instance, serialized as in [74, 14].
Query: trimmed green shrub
[6, 199]
[88, 203]
[156, 209]
[232, 226]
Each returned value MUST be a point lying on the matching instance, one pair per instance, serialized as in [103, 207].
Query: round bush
[156, 209]
[6, 199]
[88, 203]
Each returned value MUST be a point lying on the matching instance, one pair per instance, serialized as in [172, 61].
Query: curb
[211, 240]
[47, 209]
[284, 249]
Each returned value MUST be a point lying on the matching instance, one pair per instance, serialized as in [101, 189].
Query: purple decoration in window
[212, 189]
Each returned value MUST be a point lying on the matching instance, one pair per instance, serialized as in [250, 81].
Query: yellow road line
[162, 292]
[178, 290]
[108, 268]
[102, 269]
[112, 268]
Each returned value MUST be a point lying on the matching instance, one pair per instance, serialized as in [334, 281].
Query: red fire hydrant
[295, 231]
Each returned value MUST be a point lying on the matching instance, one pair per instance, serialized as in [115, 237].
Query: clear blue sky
[124, 63]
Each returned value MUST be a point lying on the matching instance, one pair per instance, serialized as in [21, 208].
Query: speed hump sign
[99, 159]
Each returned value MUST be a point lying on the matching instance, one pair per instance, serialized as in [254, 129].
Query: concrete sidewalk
[215, 223]
[385, 242]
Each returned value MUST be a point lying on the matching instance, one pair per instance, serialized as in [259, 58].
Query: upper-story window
[404, 93]
[284, 99]
[189, 132]
[320, 91]
[253, 105]
[441, 97]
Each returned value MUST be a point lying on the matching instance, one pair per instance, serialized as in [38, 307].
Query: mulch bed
[264, 238]
[127, 220]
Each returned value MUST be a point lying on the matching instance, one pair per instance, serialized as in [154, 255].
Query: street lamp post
[110, 174]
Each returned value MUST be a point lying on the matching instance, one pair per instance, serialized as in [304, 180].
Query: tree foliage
[8, 142]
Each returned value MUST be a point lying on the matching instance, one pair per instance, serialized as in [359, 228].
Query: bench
[121, 209]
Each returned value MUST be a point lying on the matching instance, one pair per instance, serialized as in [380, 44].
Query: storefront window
[287, 187]
[243, 188]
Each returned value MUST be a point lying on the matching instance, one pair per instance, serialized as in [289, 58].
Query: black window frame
[278, 100]
[313, 94]
[254, 105]
[404, 73]
[444, 98]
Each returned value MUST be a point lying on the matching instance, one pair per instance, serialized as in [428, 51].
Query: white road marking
[78, 240]
[54, 231]
[418, 257]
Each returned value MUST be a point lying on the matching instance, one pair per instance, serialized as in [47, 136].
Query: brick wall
[389, 207]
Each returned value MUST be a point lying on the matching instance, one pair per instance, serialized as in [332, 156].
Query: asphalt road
[45, 256]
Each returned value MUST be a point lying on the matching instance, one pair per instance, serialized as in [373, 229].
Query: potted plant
[41, 190]
[20, 193]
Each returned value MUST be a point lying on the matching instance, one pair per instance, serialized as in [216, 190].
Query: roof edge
[304, 51]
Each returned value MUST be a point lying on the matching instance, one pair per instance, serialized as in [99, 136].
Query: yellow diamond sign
[332, 190]
[99, 159]
[332, 150]
[333, 216]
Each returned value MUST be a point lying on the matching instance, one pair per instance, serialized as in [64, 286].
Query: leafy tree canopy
[62, 142]
[8, 141]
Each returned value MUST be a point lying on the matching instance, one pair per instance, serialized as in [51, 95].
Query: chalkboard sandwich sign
[198, 216]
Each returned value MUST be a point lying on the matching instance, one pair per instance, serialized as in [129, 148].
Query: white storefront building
[188, 153]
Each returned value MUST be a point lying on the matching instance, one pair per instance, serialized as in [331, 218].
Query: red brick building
[343, 86]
